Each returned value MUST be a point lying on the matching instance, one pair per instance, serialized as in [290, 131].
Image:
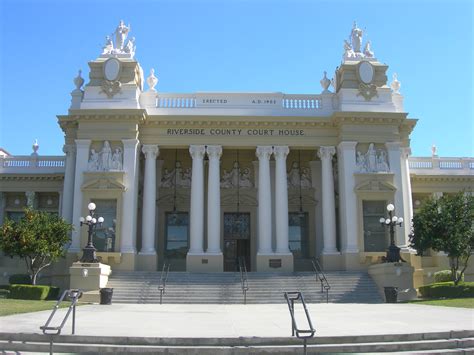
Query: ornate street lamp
[393, 252]
[89, 251]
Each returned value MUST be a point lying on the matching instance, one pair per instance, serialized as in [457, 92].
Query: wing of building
[202, 179]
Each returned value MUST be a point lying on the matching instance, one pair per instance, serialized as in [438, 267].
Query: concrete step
[441, 342]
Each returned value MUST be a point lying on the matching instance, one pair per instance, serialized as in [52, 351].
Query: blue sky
[253, 46]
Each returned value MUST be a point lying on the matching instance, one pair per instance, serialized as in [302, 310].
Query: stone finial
[325, 83]
[152, 80]
[35, 147]
[395, 85]
[434, 149]
[79, 80]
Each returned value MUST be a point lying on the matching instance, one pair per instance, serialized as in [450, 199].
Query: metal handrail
[304, 334]
[163, 279]
[318, 270]
[243, 278]
[74, 295]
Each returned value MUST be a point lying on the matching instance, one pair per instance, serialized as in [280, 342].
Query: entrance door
[236, 240]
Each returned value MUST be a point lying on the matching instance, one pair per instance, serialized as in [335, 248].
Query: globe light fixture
[89, 252]
[393, 252]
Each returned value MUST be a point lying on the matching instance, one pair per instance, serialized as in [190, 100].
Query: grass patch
[450, 302]
[13, 306]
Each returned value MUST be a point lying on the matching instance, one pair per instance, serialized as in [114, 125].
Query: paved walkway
[172, 320]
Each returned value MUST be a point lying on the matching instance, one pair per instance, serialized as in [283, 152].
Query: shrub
[446, 276]
[4, 293]
[447, 290]
[53, 293]
[29, 292]
[20, 279]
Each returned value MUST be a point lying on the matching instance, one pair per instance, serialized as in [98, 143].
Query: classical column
[281, 199]
[68, 188]
[329, 207]
[149, 200]
[347, 199]
[197, 200]
[407, 194]
[214, 200]
[82, 157]
[130, 196]
[394, 161]
[264, 200]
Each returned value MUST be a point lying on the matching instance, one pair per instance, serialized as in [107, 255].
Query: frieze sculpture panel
[236, 177]
[178, 177]
[372, 161]
[297, 179]
[106, 159]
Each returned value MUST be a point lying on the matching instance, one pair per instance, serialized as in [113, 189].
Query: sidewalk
[272, 320]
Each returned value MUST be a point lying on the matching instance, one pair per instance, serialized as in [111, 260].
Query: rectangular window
[104, 238]
[375, 234]
[298, 234]
[15, 216]
[177, 239]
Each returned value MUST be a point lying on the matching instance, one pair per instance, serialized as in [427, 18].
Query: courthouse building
[201, 179]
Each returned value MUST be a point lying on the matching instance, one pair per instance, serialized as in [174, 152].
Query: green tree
[38, 238]
[446, 224]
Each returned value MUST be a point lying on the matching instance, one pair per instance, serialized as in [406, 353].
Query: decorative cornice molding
[14, 177]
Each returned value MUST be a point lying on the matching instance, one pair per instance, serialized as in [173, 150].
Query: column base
[128, 262]
[351, 261]
[89, 276]
[275, 262]
[204, 262]
[331, 261]
[147, 262]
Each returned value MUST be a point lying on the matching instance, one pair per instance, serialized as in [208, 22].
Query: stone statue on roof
[121, 33]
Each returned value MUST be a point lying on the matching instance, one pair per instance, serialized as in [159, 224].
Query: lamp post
[89, 251]
[393, 252]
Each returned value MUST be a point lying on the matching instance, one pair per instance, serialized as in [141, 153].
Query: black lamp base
[393, 254]
[89, 255]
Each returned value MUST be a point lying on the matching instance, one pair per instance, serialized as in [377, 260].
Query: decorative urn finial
[395, 85]
[325, 83]
[35, 147]
[79, 80]
[152, 80]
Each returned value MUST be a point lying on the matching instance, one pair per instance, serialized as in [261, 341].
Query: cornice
[31, 177]
[442, 178]
[139, 115]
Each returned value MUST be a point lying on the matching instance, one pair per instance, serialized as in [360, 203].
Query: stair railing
[73, 295]
[163, 279]
[243, 278]
[304, 334]
[318, 271]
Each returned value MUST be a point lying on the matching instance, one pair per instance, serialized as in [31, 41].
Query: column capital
[150, 151]
[69, 149]
[129, 143]
[264, 152]
[326, 152]
[406, 152]
[393, 145]
[214, 151]
[347, 146]
[83, 143]
[281, 151]
[197, 151]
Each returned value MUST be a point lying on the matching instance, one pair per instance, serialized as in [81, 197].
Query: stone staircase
[225, 288]
[453, 342]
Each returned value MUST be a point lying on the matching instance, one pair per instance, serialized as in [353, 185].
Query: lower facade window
[177, 235]
[298, 234]
[375, 235]
[104, 237]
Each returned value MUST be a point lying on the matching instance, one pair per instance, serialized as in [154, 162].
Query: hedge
[4, 293]
[29, 292]
[445, 276]
[447, 290]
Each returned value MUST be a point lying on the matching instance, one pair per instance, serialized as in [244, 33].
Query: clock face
[366, 72]
[112, 69]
